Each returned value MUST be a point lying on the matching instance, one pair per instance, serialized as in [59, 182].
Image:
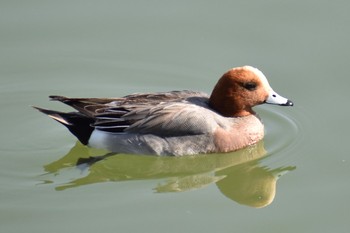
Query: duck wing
[167, 114]
[94, 106]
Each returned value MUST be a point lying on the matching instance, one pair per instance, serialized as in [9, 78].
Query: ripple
[283, 133]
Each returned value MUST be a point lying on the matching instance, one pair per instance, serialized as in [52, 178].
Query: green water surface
[296, 180]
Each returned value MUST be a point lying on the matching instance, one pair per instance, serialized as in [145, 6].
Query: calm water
[298, 176]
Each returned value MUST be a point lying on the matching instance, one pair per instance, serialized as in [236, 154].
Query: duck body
[177, 122]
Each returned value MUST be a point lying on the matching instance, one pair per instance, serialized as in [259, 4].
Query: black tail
[77, 123]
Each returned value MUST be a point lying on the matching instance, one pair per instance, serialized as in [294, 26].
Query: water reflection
[238, 175]
[251, 185]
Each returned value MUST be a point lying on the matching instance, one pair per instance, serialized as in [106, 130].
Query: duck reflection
[251, 185]
[238, 175]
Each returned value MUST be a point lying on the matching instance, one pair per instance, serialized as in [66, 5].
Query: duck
[175, 123]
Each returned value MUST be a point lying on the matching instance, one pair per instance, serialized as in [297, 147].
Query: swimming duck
[176, 122]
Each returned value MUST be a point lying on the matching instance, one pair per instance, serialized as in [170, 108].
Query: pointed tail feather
[77, 123]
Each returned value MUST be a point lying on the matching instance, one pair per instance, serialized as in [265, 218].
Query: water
[298, 176]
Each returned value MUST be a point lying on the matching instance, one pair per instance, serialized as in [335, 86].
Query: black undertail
[77, 123]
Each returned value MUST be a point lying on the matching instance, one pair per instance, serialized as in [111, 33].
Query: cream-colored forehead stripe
[260, 75]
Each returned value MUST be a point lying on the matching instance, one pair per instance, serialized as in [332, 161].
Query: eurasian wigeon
[177, 122]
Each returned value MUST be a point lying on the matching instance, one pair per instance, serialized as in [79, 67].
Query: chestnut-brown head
[242, 88]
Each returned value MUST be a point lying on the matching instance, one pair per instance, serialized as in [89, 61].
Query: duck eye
[250, 86]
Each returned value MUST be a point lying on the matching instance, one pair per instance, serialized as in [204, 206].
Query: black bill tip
[288, 103]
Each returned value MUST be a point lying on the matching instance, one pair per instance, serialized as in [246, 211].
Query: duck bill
[276, 99]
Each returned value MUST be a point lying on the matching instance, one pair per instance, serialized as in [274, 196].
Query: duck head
[242, 88]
